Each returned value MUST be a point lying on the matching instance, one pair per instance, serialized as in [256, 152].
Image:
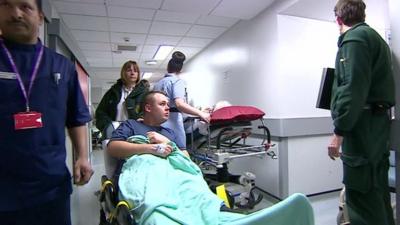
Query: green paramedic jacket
[363, 78]
[106, 111]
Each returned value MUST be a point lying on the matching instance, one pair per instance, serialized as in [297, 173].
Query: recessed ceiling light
[151, 62]
[162, 52]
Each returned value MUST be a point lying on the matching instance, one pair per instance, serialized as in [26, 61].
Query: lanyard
[36, 62]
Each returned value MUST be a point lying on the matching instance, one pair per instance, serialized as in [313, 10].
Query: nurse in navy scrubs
[40, 97]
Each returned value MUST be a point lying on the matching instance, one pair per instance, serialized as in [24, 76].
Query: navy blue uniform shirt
[32, 162]
[132, 127]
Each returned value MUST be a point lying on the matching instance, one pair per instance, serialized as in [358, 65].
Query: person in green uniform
[362, 94]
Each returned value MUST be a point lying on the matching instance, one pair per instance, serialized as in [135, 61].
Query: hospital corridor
[214, 112]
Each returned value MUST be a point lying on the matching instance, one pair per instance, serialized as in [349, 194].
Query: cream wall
[273, 62]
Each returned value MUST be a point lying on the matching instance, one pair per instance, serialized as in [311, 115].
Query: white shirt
[122, 112]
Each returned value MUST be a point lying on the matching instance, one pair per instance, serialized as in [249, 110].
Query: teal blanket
[172, 191]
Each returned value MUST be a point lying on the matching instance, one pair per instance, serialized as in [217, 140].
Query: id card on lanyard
[28, 119]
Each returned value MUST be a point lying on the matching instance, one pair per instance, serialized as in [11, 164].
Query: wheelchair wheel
[103, 220]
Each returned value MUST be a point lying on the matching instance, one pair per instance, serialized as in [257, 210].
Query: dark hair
[149, 97]
[350, 11]
[126, 66]
[176, 62]
[39, 5]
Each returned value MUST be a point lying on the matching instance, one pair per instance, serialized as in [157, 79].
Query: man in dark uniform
[363, 92]
[155, 112]
[40, 96]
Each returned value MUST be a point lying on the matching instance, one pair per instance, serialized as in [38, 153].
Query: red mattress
[236, 114]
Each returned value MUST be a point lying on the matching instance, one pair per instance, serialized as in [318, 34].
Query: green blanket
[167, 190]
[172, 190]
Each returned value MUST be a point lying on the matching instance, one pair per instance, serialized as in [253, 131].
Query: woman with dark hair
[122, 100]
[175, 89]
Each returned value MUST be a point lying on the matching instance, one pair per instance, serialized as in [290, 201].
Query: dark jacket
[106, 111]
[363, 76]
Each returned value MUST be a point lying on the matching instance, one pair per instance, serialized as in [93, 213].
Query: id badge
[27, 120]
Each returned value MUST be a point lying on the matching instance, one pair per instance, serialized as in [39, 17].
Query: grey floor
[85, 206]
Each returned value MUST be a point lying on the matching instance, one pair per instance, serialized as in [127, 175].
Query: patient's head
[221, 104]
[155, 108]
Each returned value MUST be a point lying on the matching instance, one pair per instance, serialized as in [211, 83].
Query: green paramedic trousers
[365, 156]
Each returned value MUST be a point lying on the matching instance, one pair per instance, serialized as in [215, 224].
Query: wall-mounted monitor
[325, 89]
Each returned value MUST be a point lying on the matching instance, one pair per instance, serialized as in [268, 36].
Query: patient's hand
[162, 150]
[156, 138]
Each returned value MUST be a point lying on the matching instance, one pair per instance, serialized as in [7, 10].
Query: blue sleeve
[178, 90]
[77, 110]
[125, 130]
[170, 134]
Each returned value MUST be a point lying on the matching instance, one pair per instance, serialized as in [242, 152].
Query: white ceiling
[313, 9]
[188, 25]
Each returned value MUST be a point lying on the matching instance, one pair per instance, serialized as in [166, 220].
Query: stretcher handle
[267, 132]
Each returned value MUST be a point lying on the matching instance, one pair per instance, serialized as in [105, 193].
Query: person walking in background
[40, 96]
[362, 94]
[175, 89]
[122, 101]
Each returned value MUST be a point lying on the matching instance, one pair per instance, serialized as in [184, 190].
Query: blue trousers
[56, 212]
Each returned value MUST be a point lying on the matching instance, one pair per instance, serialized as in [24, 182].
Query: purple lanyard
[38, 59]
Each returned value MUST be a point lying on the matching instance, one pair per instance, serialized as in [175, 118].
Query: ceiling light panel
[162, 52]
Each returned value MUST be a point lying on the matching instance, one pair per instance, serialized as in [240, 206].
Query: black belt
[377, 106]
[174, 109]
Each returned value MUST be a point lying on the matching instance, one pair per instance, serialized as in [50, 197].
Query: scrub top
[33, 170]
[174, 88]
[132, 127]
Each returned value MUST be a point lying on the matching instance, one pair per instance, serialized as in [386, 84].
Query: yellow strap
[120, 203]
[221, 192]
[114, 213]
[107, 182]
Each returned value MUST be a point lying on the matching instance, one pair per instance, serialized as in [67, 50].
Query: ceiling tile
[240, 9]
[99, 62]
[147, 55]
[302, 9]
[149, 4]
[125, 55]
[217, 21]
[117, 37]
[84, 1]
[95, 36]
[85, 22]
[98, 46]
[205, 31]
[97, 54]
[162, 40]
[188, 51]
[173, 28]
[195, 42]
[150, 49]
[81, 8]
[169, 16]
[130, 13]
[194, 6]
[129, 26]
